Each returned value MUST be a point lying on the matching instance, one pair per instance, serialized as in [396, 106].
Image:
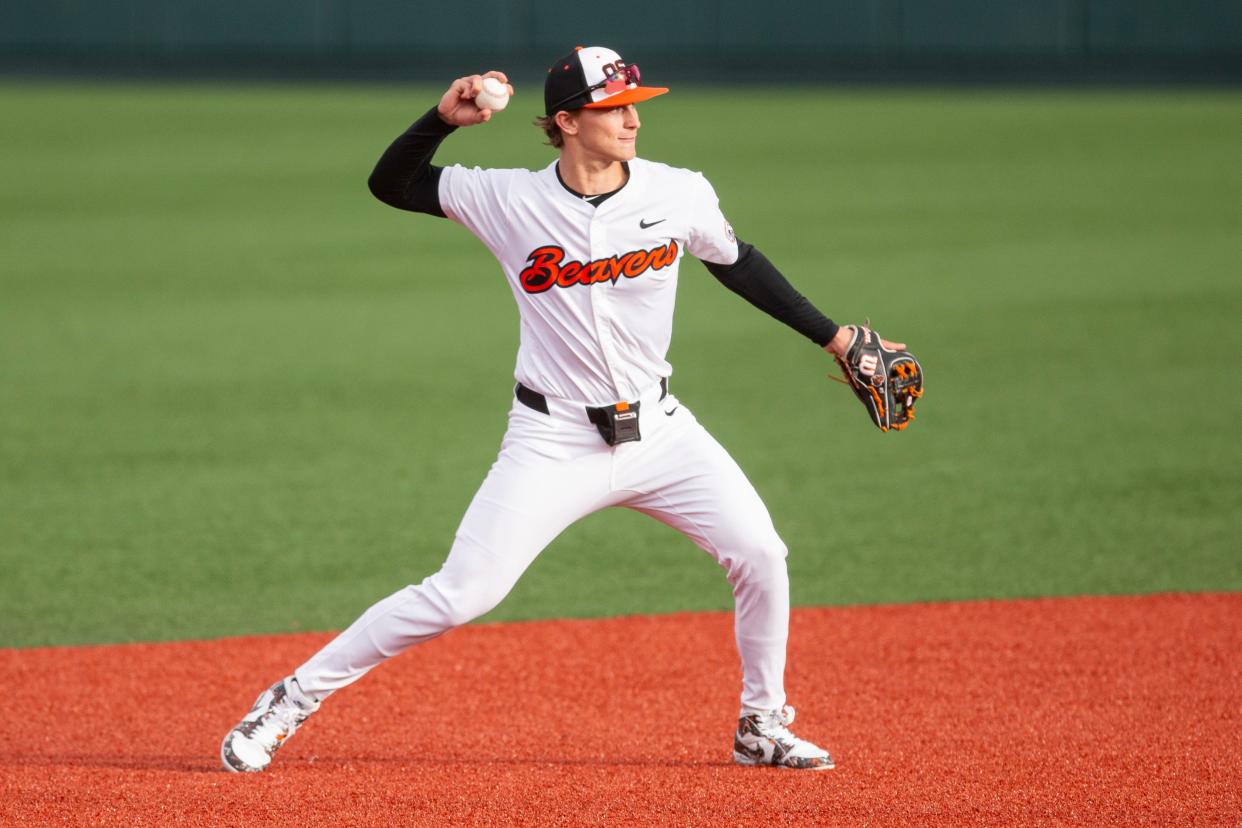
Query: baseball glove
[888, 383]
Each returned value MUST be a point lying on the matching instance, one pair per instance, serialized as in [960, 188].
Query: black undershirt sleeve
[757, 280]
[405, 178]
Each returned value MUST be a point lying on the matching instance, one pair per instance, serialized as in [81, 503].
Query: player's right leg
[548, 475]
[537, 487]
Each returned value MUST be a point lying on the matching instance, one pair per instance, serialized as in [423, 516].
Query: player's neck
[590, 176]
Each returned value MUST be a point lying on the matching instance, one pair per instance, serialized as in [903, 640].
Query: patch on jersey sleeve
[729, 232]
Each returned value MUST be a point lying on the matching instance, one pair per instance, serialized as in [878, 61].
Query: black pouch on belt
[616, 423]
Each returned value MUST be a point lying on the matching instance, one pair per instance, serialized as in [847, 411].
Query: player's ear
[567, 121]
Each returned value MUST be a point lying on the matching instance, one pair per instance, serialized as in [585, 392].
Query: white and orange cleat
[764, 739]
[248, 747]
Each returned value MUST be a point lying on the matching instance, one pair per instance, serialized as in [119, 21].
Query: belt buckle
[624, 418]
[617, 423]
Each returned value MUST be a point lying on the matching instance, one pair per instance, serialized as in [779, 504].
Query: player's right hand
[457, 106]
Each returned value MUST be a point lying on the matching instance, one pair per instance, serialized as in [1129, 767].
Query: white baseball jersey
[595, 286]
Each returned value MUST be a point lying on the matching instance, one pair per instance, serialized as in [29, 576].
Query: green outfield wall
[979, 40]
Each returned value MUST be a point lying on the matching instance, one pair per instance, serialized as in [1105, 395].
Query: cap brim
[628, 96]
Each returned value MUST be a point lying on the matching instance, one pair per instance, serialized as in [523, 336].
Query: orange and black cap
[593, 77]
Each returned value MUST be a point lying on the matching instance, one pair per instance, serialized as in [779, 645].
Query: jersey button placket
[601, 303]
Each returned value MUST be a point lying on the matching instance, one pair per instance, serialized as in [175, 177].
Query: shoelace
[775, 725]
[279, 722]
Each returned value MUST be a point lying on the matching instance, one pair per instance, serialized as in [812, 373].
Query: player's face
[609, 134]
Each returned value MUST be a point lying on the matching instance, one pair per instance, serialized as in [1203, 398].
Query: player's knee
[466, 608]
[461, 600]
[769, 563]
[759, 559]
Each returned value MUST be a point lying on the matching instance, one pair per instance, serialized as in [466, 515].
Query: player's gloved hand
[845, 335]
[885, 377]
[457, 105]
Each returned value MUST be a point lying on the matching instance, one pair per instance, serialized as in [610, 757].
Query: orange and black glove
[888, 383]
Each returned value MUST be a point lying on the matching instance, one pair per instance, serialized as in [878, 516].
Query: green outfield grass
[239, 395]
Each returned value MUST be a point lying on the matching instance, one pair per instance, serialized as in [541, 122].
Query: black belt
[533, 399]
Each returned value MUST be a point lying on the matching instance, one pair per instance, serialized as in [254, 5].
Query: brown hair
[552, 130]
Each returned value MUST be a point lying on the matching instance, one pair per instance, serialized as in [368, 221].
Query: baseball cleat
[249, 746]
[764, 739]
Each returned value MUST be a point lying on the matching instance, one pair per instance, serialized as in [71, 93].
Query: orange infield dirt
[1120, 711]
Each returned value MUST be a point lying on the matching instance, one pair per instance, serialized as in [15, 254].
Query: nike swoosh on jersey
[671, 413]
[644, 225]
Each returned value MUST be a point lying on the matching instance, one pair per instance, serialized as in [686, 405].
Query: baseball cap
[593, 77]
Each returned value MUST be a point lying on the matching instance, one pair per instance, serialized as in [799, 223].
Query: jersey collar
[552, 180]
[594, 200]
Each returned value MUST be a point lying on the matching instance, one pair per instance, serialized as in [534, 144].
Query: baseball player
[591, 248]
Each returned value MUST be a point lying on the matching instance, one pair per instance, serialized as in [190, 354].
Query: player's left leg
[682, 477]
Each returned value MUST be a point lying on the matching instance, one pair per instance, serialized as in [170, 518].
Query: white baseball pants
[554, 469]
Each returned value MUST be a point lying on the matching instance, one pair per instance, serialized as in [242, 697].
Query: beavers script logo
[546, 266]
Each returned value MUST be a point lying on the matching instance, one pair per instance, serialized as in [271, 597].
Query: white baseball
[495, 95]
